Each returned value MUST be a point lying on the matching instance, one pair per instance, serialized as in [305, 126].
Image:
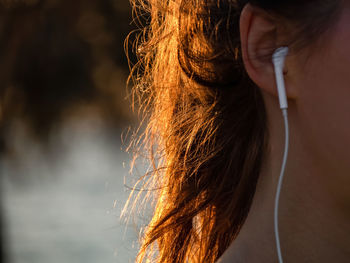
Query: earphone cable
[279, 186]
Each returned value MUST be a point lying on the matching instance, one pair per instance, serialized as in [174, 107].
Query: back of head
[207, 130]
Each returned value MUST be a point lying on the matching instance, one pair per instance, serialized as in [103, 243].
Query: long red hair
[206, 133]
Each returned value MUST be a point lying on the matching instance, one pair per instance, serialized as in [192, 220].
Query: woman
[215, 130]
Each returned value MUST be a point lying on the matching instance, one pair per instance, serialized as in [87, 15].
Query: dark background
[60, 60]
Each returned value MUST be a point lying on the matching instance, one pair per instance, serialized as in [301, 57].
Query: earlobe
[258, 42]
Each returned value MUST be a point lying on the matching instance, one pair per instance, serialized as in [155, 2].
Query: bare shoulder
[229, 257]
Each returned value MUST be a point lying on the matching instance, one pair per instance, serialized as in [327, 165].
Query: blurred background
[65, 120]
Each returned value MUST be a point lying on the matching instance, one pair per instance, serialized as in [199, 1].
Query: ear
[259, 36]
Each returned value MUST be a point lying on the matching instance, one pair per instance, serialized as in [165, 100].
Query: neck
[314, 220]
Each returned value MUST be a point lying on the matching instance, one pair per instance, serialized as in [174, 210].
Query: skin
[314, 210]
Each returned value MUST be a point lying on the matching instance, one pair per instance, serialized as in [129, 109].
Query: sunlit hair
[206, 132]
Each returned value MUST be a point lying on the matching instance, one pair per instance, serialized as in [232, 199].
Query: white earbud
[278, 59]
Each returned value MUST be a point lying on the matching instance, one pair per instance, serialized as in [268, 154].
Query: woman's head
[317, 82]
[203, 69]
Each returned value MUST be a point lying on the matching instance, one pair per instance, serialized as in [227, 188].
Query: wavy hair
[206, 134]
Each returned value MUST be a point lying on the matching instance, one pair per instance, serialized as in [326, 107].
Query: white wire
[278, 246]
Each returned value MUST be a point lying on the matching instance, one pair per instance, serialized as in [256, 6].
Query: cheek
[324, 107]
